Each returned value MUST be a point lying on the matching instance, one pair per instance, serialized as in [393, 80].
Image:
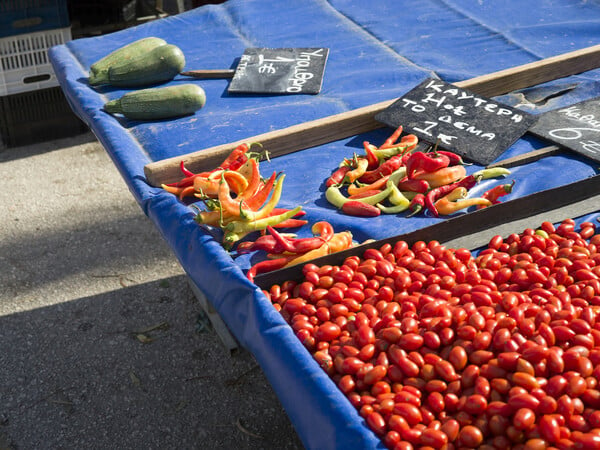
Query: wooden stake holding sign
[361, 120]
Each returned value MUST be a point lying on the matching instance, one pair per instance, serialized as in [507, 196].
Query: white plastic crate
[24, 63]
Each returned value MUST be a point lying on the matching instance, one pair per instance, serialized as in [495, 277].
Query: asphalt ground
[103, 344]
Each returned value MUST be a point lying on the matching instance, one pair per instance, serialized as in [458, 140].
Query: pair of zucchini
[145, 62]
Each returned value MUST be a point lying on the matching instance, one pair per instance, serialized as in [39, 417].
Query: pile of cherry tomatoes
[439, 348]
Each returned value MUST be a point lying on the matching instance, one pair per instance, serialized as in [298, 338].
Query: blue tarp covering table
[378, 50]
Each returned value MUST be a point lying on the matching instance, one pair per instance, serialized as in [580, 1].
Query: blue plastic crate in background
[28, 16]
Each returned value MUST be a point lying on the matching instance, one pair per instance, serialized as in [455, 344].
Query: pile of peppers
[389, 179]
[284, 251]
[393, 178]
[237, 199]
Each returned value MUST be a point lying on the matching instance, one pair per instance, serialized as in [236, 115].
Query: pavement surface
[102, 342]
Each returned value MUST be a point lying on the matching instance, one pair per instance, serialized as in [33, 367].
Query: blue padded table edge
[318, 410]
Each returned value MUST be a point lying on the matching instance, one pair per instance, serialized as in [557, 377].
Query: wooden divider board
[475, 229]
[361, 120]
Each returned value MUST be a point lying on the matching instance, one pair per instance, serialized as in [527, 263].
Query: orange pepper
[262, 193]
[254, 181]
[441, 177]
[209, 186]
[175, 190]
[391, 140]
[216, 218]
[338, 242]
[364, 194]
[378, 184]
[228, 204]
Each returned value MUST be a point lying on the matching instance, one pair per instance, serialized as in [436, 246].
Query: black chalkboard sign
[475, 127]
[280, 71]
[576, 127]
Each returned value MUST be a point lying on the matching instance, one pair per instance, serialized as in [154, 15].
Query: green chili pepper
[337, 199]
[230, 238]
[239, 226]
[392, 209]
[494, 172]
[397, 175]
[385, 153]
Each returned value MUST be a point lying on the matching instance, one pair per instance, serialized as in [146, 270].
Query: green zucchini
[159, 103]
[160, 64]
[99, 70]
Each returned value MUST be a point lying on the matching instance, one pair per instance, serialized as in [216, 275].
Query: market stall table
[377, 51]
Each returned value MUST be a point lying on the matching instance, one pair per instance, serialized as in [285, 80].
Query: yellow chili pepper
[337, 199]
[361, 167]
[397, 199]
[240, 226]
[455, 201]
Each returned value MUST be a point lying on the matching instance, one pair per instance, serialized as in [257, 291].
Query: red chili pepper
[304, 245]
[435, 194]
[371, 156]
[429, 162]
[453, 157]
[278, 211]
[283, 244]
[185, 182]
[265, 243]
[467, 182]
[300, 246]
[416, 204]
[245, 247]
[360, 209]
[338, 176]
[496, 192]
[413, 185]
[186, 172]
[390, 141]
[386, 168]
[237, 163]
[266, 266]
[288, 223]
[275, 243]
[234, 157]
[233, 162]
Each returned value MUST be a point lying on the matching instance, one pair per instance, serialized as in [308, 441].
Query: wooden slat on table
[361, 120]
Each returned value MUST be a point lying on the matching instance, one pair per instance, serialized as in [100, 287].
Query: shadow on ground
[103, 344]
[138, 367]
